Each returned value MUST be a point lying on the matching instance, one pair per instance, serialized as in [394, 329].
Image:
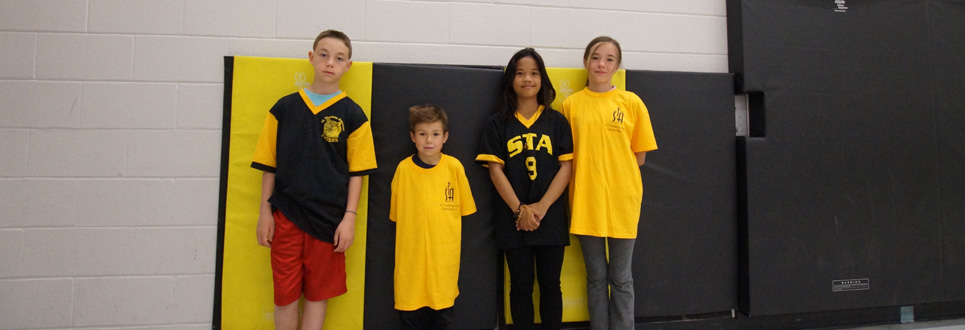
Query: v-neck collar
[532, 120]
[318, 108]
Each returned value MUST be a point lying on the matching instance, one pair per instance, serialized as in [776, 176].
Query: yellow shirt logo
[618, 116]
[617, 124]
[450, 193]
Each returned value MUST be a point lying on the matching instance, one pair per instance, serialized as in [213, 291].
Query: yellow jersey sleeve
[264, 158]
[361, 150]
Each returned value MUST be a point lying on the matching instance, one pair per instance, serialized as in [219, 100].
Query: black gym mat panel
[844, 183]
[468, 95]
[776, 37]
[947, 25]
[684, 261]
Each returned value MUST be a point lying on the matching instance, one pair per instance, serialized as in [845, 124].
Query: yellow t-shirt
[606, 189]
[427, 206]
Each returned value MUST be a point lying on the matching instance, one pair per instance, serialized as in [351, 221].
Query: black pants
[425, 318]
[548, 261]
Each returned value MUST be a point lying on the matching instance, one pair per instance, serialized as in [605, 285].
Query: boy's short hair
[427, 113]
[337, 35]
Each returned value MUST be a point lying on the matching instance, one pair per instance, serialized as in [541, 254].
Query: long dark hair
[507, 95]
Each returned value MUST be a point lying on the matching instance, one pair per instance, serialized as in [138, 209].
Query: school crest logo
[617, 124]
[332, 127]
[618, 116]
[450, 192]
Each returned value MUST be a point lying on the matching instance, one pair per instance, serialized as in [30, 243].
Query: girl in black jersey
[528, 148]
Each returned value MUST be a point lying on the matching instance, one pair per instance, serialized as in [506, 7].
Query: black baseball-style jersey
[530, 151]
[313, 151]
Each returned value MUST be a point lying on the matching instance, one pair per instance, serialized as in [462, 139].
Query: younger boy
[430, 194]
[314, 149]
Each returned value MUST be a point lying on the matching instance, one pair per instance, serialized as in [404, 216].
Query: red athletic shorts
[301, 263]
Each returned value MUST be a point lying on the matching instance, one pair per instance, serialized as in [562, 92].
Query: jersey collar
[532, 120]
[323, 106]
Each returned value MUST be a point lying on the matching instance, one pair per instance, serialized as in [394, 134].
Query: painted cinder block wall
[110, 124]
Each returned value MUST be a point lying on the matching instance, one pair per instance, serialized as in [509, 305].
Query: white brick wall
[19, 54]
[240, 18]
[29, 203]
[43, 15]
[401, 21]
[195, 104]
[293, 23]
[76, 153]
[84, 57]
[148, 106]
[110, 118]
[565, 28]
[485, 24]
[23, 107]
[36, 303]
[180, 58]
[108, 301]
[139, 16]
[10, 243]
[13, 143]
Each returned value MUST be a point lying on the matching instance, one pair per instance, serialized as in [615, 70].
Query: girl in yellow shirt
[611, 136]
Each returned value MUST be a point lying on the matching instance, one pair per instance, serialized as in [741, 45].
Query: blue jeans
[609, 309]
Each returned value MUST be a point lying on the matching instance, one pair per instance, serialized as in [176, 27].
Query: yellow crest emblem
[331, 128]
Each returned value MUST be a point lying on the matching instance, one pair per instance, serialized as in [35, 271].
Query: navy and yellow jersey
[531, 152]
[427, 205]
[606, 188]
[313, 151]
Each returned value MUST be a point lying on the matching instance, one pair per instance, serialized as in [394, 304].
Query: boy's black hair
[507, 95]
[427, 113]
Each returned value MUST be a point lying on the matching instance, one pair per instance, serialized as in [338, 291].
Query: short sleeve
[264, 158]
[394, 195]
[467, 205]
[642, 139]
[490, 145]
[565, 139]
[361, 150]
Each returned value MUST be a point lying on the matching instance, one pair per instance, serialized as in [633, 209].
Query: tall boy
[314, 149]
[430, 194]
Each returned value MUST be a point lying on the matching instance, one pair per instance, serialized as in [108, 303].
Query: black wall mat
[468, 95]
[947, 46]
[854, 193]
[684, 262]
